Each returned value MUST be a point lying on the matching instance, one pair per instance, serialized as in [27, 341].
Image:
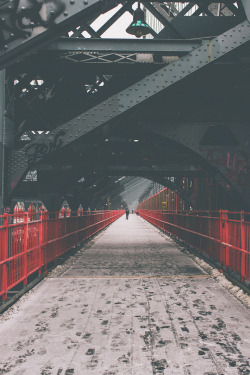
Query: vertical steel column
[2, 138]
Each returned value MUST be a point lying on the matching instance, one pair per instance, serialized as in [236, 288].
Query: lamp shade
[139, 27]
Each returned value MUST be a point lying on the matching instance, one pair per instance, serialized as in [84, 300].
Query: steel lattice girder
[58, 17]
[20, 161]
[48, 21]
[166, 47]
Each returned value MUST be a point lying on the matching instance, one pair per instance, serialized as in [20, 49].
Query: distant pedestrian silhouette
[127, 213]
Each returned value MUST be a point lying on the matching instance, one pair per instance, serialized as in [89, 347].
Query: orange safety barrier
[224, 236]
[29, 240]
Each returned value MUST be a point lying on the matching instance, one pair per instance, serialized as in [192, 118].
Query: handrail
[29, 241]
[224, 240]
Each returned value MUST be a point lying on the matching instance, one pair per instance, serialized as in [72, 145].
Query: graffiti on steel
[235, 164]
[35, 151]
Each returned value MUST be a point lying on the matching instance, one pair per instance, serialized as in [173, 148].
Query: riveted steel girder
[228, 164]
[121, 103]
[165, 47]
[47, 22]
[164, 171]
[27, 25]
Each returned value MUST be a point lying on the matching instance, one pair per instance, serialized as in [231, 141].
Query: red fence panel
[224, 236]
[29, 241]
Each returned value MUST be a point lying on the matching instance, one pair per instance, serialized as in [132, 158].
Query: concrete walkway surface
[128, 303]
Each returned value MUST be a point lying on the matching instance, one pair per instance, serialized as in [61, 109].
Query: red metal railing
[224, 236]
[29, 241]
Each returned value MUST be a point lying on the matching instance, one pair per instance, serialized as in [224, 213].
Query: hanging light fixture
[139, 26]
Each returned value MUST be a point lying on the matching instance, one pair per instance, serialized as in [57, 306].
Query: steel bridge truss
[78, 104]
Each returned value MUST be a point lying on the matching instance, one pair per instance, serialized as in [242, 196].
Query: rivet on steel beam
[85, 2]
[72, 1]
[65, 14]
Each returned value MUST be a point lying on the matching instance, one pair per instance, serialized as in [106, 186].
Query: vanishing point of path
[128, 303]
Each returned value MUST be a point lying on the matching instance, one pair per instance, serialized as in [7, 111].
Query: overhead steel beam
[45, 23]
[117, 105]
[165, 47]
[228, 164]
[246, 6]
[121, 170]
[27, 25]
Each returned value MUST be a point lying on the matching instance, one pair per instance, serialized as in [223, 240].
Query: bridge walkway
[129, 302]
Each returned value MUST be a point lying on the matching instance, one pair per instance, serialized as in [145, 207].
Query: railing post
[226, 238]
[41, 241]
[243, 247]
[5, 253]
[222, 238]
[25, 248]
[56, 235]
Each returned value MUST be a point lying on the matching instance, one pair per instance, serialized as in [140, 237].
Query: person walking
[127, 213]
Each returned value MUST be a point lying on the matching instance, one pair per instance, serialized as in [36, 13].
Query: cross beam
[46, 23]
[165, 47]
[28, 25]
